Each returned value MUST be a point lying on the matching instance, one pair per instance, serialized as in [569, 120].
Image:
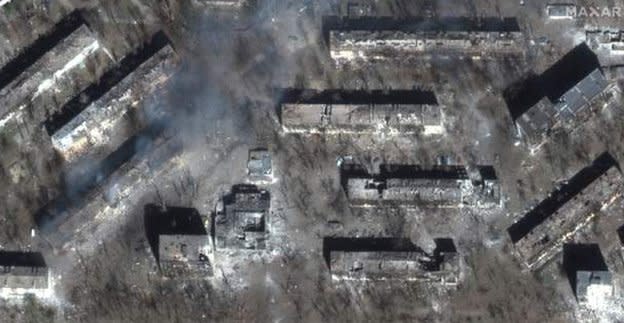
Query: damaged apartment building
[114, 183]
[563, 95]
[540, 234]
[121, 111]
[98, 135]
[42, 79]
[376, 259]
[23, 273]
[359, 111]
[411, 185]
[366, 39]
[179, 240]
[241, 219]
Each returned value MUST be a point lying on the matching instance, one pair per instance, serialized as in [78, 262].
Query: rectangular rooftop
[344, 111]
[179, 239]
[409, 185]
[391, 259]
[379, 39]
[119, 114]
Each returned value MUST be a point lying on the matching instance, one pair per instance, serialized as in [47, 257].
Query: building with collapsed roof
[409, 185]
[22, 273]
[119, 114]
[355, 111]
[375, 259]
[561, 96]
[587, 272]
[380, 39]
[540, 234]
[241, 218]
[179, 240]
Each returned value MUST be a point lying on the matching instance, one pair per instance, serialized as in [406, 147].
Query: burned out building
[179, 240]
[561, 96]
[410, 185]
[241, 218]
[367, 39]
[375, 259]
[23, 273]
[540, 234]
[587, 272]
[121, 112]
[357, 111]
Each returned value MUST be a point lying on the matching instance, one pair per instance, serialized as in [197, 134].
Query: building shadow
[21, 259]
